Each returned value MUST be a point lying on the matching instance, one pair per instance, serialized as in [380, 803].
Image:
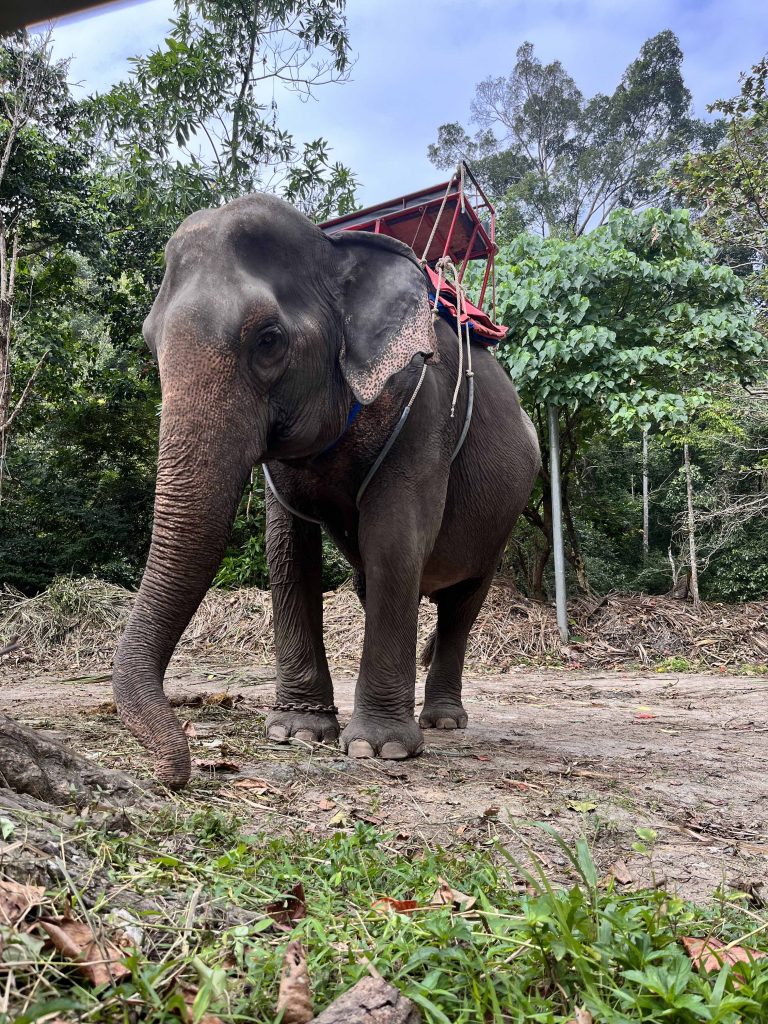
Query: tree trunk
[544, 524]
[645, 494]
[691, 529]
[575, 556]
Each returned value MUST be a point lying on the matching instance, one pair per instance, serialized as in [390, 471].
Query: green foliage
[81, 474]
[561, 163]
[533, 955]
[193, 125]
[631, 326]
[631, 319]
[729, 186]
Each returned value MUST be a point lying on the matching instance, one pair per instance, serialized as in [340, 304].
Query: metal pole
[557, 522]
[646, 531]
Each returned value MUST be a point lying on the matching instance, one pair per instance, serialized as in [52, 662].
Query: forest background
[631, 275]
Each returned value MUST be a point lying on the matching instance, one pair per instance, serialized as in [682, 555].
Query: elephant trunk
[199, 484]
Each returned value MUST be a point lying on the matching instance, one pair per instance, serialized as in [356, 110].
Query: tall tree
[561, 163]
[197, 121]
[43, 192]
[629, 326]
[728, 187]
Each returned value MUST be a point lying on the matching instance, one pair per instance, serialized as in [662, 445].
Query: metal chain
[328, 709]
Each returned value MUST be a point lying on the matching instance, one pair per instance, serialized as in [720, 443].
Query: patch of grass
[675, 664]
[527, 951]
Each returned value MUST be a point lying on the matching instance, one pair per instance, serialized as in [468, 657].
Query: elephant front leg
[304, 707]
[383, 724]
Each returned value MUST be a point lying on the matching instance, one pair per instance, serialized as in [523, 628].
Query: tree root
[36, 764]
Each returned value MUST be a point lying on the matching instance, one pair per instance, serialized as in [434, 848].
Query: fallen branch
[23, 397]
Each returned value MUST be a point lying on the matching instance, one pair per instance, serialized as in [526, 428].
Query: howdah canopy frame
[453, 220]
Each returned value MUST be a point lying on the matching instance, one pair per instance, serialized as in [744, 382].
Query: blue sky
[418, 62]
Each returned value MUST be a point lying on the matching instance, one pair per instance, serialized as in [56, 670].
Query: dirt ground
[599, 754]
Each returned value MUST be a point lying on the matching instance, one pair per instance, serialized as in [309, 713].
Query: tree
[562, 163]
[43, 191]
[96, 189]
[728, 187]
[629, 327]
[197, 121]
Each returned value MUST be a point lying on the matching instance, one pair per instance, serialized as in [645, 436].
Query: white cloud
[419, 61]
[101, 41]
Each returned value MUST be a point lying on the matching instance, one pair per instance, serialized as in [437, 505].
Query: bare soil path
[599, 754]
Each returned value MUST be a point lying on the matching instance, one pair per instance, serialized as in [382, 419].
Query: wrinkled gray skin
[265, 332]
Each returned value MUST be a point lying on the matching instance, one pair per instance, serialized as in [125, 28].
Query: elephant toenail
[445, 723]
[360, 748]
[278, 734]
[305, 735]
[393, 751]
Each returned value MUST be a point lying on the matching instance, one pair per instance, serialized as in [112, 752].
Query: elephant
[280, 345]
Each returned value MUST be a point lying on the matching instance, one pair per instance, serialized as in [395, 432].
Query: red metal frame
[419, 216]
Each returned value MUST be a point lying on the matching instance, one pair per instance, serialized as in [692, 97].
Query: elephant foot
[443, 714]
[388, 739]
[309, 726]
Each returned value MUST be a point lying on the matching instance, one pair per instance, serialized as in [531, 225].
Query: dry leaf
[583, 1016]
[447, 896]
[98, 961]
[620, 872]
[326, 805]
[223, 699]
[712, 954]
[341, 819]
[369, 819]
[582, 806]
[261, 785]
[16, 900]
[289, 909]
[516, 784]
[189, 730]
[386, 905]
[295, 996]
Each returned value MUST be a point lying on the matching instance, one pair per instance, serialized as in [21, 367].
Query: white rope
[447, 268]
[437, 219]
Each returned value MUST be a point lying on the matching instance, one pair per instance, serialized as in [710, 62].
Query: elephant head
[264, 330]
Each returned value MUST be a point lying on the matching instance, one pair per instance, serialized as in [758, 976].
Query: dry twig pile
[79, 622]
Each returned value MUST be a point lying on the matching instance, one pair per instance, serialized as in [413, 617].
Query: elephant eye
[269, 338]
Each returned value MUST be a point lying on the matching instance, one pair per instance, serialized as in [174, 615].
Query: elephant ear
[385, 310]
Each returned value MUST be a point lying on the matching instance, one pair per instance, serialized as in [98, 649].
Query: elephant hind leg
[457, 609]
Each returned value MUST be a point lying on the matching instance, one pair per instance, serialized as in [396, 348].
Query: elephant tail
[429, 650]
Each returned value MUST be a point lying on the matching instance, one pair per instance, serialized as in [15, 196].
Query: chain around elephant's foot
[308, 726]
[443, 714]
[390, 739]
